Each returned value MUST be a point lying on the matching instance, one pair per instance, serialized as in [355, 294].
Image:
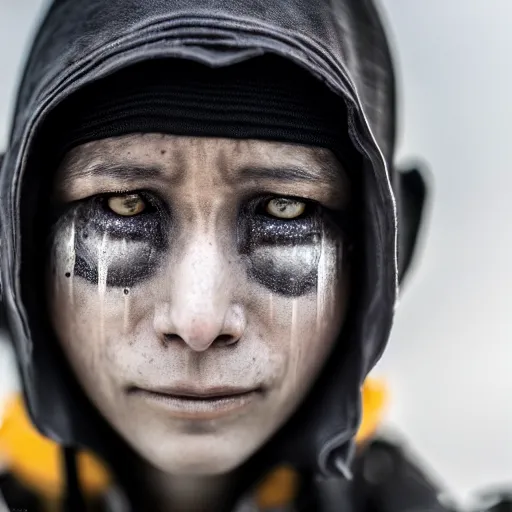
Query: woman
[199, 241]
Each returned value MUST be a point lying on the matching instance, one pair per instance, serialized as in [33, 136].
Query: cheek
[93, 270]
[76, 326]
[288, 270]
[97, 331]
[88, 316]
[305, 327]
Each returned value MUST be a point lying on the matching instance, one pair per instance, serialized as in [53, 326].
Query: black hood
[342, 43]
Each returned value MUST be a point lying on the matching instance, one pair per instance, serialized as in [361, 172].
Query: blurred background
[449, 362]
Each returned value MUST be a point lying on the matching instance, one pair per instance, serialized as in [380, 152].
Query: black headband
[264, 98]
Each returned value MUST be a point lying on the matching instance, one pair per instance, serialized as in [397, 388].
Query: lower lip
[199, 408]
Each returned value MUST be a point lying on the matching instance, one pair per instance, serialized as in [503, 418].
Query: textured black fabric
[267, 98]
[73, 498]
[387, 479]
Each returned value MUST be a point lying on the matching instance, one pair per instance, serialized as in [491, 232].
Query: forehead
[177, 159]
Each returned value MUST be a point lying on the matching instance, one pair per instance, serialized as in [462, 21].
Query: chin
[197, 456]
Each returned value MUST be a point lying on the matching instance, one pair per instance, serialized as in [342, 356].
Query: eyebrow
[120, 172]
[328, 174]
[319, 173]
[123, 172]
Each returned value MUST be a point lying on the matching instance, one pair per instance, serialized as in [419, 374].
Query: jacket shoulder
[387, 478]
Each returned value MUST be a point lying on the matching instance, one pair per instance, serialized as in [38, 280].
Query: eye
[284, 208]
[127, 205]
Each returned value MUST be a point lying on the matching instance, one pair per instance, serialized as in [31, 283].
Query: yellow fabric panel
[36, 461]
[375, 399]
[278, 488]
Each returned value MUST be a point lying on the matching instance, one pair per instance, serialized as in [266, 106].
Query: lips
[188, 402]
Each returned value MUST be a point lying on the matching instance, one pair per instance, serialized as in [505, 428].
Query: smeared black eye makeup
[133, 226]
[282, 220]
[146, 225]
[126, 234]
[281, 238]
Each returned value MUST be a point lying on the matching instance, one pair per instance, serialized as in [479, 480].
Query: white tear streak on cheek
[328, 268]
[295, 345]
[322, 287]
[126, 317]
[70, 262]
[102, 281]
[102, 267]
[126, 292]
[55, 261]
[271, 307]
[124, 250]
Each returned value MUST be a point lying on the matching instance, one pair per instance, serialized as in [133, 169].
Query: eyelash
[153, 204]
[257, 205]
[259, 226]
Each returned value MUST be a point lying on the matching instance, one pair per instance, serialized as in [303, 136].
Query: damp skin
[204, 288]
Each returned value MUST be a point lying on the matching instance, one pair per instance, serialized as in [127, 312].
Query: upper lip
[192, 392]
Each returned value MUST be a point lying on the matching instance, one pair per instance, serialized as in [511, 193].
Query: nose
[200, 310]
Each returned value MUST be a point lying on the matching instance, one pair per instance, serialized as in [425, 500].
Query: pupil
[131, 203]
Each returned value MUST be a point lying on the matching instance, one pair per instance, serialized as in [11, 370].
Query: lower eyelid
[275, 229]
[307, 214]
[142, 226]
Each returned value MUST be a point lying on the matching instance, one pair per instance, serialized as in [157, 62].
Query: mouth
[200, 404]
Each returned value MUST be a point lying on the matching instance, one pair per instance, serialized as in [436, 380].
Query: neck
[190, 493]
[149, 488]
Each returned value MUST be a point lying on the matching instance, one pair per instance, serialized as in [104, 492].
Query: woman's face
[197, 285]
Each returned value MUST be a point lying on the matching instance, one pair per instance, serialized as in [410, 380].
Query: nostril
[224, 340]
[172, 338]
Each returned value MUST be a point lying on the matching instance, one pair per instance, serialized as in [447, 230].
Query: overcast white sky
[449, 361]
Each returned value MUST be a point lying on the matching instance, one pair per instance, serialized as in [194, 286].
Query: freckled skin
[203, 288]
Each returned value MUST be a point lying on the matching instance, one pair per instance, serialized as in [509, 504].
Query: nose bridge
[201, 268]
[201, 298]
